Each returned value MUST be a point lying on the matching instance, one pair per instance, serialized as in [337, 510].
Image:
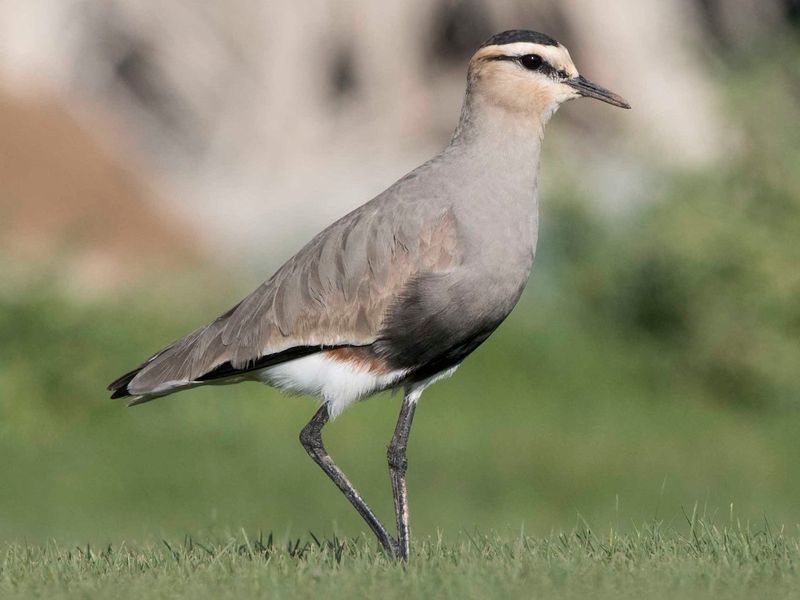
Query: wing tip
[119, 387]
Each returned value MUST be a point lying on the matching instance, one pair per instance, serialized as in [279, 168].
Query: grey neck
[488, 127]
[495, 154]
[504, 147]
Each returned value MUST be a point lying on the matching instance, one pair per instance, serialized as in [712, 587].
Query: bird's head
[530, 73]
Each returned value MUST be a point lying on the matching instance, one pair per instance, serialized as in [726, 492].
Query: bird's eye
[532, 62]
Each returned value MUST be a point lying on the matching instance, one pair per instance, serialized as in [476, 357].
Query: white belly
[336, 382]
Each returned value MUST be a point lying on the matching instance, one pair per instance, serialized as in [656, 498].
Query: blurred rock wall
[259, 122]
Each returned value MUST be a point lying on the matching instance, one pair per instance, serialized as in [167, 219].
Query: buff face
[532, 78]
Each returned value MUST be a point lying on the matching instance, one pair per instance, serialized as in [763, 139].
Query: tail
[203, 356]
[119, 387]
[176, 366]
[172, 369]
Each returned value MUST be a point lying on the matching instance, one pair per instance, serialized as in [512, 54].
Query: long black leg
[397, 469]
[311, 438]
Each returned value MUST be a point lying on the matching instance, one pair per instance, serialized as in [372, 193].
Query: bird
[397, 293]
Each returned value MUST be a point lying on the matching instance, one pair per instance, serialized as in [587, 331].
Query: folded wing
[334, 292]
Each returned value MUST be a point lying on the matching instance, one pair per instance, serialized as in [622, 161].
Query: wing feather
[335, 291]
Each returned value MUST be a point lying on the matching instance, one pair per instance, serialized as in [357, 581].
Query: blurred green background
[653, 363]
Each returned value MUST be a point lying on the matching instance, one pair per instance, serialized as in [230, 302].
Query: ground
[698, 560]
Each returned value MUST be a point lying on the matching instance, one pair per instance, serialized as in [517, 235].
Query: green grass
[701, 561]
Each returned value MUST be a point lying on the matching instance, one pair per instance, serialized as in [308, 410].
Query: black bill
[592, 90]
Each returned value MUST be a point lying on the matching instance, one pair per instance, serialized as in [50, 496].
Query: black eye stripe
[534, 62]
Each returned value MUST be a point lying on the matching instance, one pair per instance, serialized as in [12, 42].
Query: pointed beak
[591, 90]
